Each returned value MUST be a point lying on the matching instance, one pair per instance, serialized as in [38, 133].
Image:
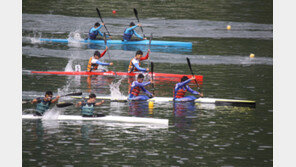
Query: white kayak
[204, 100]
[140, 120]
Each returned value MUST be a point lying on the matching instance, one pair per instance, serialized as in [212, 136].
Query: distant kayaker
[181, 89]
[134, 65]
[95, 31]
[87, 106]
[94, 62]
[129, 32]
[43, 103]
[136, 88]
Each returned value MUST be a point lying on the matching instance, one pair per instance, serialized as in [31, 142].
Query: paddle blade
[152, 68]
[136, 13]
[74, 94]
[98, 12]
[189, 65]
[64, 104]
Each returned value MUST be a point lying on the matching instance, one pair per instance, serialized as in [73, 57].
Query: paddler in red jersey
[181, 89]
[94, 62]
[134, 65]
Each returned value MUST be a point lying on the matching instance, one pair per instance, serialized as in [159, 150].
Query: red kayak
[158, 76]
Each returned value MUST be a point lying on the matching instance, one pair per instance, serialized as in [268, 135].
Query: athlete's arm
[97, 104]
[55, 99]
[192, 91]
[131, 28]
[102, 54]
[146, 57]
[136, 34]
[140, 68]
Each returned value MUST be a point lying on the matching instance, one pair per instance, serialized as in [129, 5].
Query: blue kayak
[120, 42]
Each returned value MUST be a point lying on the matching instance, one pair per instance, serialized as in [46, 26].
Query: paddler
[95, 31]
[87, 106]
[129, 32]
[134, 64]
[136, 88]
[94, 62]
[43, 103]
[181, 89]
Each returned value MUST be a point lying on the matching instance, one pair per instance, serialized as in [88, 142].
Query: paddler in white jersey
[134, 64]
[94, 62]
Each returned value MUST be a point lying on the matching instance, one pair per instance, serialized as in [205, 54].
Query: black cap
[184, 78]
[139, 52]
[97, 24]
[132, 24]
[92, 95]
[49, 93]
[140, 76]
[97, 53]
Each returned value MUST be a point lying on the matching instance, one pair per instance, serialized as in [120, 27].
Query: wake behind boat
[139, 120]
[120, 42]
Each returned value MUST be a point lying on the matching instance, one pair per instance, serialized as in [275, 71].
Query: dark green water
[197, 135]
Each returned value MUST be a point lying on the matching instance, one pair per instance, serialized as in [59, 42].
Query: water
[197, 135]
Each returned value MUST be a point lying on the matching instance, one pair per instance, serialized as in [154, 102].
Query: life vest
[91, 66]
[181, 93]
[136, 91]
[128, 36]
[87, 108]
[42, 106]
[93, 35]
[131, 67]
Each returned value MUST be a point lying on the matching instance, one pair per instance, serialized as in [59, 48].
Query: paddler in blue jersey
[129, 32]
[43, 103]
[94, 62]
[95, 31]
[134, 65]
[136, 88]
[181, 89]
[87, 106]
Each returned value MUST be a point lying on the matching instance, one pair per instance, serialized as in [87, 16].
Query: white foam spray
[115, 91]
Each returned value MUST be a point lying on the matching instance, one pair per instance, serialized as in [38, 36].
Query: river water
[197, 135]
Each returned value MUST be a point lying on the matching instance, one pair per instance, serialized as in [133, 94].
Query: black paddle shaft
[152, 68]
[102, 20]
[189, 64]
[136, 14]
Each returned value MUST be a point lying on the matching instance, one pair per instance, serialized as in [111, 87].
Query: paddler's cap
[132, 24]
[97, 53]
[139, 52]
[140, 76]
[184, 78]
[49, 93]
[92, 95]
[97, 24]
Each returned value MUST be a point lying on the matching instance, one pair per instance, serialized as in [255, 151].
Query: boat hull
[120, 42]
[140, 120]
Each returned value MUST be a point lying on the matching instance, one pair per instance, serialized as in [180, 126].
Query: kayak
[120, 42]
[158, 76]
[204, 100]
[140, 120]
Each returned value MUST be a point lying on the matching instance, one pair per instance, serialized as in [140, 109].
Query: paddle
[102, 20]
[105, 41]
[63, 104]
[189, 64]
[152, 68]
[70, 94]
[149, 46]
[136, 14]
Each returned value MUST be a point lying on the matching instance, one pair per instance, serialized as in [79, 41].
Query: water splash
[115, 91]
[69, 65]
